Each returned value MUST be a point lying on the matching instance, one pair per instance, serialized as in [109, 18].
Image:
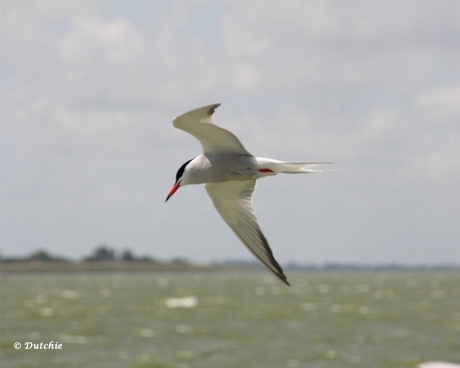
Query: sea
[326, 319]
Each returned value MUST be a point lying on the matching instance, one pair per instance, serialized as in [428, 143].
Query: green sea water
[325, 320]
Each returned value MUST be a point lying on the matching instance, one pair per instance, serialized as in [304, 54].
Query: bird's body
[230, 173]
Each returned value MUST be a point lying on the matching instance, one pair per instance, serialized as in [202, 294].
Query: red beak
[172, 191]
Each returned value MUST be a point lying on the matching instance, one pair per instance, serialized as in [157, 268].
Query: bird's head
[181, 177]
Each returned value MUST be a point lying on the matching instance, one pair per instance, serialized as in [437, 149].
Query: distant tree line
[41, 256]
[102, 253]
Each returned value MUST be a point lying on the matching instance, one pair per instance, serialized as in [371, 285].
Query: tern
[229, 173]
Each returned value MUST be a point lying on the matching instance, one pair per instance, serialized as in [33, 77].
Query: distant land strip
[105, 259]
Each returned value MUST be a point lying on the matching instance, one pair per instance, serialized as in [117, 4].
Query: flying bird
[229, 173]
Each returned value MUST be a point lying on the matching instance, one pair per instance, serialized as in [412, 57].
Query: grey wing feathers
[232, 200]
[213, 138]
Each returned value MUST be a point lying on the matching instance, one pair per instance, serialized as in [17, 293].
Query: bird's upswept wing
[213, 138]
[232, 200]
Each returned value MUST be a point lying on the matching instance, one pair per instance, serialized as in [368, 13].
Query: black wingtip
[282, 277]
[213, 108]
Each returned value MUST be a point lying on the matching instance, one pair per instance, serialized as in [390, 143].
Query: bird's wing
[213, 138]
[232, 200]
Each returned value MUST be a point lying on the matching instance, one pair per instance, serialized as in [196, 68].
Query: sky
[88, 151]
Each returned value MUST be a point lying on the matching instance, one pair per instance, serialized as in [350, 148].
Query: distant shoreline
[34, 266]
[107, 259]
[101, 266]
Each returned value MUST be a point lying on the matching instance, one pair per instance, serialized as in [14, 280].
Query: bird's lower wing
[233, 201]
[213, 138]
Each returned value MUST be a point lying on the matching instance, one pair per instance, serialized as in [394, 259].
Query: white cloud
[331, 45]
[441, 103]
[116, 41]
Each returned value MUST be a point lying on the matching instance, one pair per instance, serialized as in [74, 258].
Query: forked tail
[294, 167]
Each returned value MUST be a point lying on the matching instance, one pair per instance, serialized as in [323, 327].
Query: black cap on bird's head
[179, 174]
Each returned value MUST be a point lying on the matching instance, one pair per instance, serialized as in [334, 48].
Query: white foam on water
[185, 302]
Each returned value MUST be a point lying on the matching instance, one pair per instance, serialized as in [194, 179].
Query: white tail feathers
[296, 167]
